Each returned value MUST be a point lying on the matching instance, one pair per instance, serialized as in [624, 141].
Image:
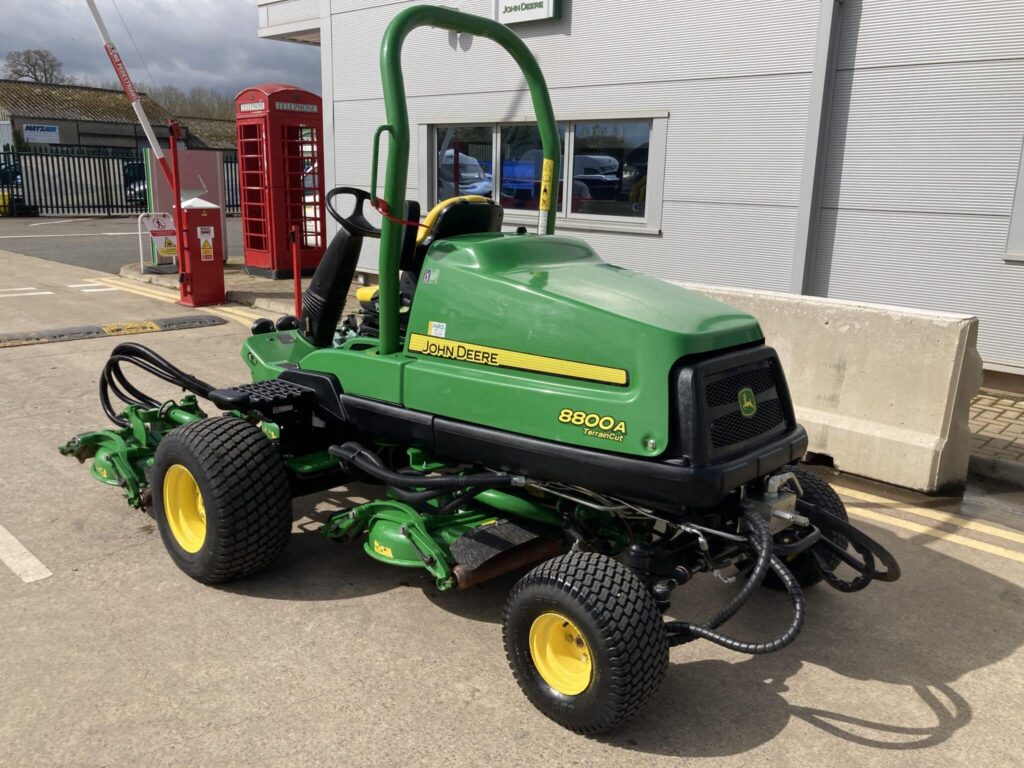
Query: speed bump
[127, 328]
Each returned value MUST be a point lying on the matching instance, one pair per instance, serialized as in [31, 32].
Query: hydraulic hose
[113, 379]
[760, 539]
[355, 454]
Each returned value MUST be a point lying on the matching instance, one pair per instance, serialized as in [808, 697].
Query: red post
[294, 236]
[179, 215]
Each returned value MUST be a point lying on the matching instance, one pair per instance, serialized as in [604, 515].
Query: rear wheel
[221, 499]
[820, 493]
[585, 640]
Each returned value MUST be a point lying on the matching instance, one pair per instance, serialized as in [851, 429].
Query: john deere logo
[747, 401]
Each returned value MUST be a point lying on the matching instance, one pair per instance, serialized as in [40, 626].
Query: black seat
[464, 215]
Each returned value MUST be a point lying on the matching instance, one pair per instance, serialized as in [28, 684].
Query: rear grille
[729, 429]
[725, 391]
[735, 428]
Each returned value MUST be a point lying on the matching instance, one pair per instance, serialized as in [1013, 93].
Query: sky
[210, 43]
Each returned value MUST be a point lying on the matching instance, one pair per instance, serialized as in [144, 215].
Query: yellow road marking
[937, 533]
[242, 315]
[931, 514]
[130, 327]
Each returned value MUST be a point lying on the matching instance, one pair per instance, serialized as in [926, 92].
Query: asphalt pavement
[110, 656]
[100, 243]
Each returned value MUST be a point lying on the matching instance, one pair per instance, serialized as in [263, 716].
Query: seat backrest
[464, 215]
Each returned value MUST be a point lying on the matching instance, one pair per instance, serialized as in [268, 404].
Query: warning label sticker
[163, 238]
[205, 242]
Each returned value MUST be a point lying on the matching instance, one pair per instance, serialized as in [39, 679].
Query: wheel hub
[184, 507]
[561, 654]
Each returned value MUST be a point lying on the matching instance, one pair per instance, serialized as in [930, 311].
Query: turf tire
[803, 567]
[245, 491]
[622, 625]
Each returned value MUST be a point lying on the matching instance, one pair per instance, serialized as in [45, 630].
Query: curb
[997, 469]
[279, 306]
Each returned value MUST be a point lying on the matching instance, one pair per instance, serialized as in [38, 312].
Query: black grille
[726, 390]
[733, 427]
[729, 428]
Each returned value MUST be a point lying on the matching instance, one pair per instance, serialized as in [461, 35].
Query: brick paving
[997, 424]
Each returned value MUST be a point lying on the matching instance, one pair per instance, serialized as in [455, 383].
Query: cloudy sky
[210, 43]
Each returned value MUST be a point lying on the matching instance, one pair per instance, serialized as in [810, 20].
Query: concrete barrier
[884, 391]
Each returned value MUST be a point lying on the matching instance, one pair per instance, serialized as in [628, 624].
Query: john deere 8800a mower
[520, 402]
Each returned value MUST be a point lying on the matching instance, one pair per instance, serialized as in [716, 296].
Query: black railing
[55, 181]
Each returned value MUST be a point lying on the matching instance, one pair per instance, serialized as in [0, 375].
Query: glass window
[609, 167]
[464, 160]
[521, 164]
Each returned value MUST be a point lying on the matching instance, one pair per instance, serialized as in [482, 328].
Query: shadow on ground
[907, 643]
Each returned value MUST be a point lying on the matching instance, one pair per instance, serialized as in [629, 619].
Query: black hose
[370, 463]
[113, 380]
[760, 539]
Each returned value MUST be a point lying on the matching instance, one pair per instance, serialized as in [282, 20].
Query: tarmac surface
[96, 242]
[110, 656]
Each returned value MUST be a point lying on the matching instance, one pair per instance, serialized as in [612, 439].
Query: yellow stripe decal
[505, 358]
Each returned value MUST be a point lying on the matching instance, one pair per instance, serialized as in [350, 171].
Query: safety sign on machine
[205, 243]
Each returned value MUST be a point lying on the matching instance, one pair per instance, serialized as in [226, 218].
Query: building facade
[866, 150]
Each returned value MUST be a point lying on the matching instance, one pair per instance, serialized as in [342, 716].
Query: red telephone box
[281, 177]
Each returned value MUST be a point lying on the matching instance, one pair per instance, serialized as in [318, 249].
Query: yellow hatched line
[937, 533]
[939, 517]
[245, 316]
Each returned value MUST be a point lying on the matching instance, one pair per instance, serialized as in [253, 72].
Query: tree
[35, 64]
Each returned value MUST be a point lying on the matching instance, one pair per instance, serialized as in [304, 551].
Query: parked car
[10, 174]
[473, 180]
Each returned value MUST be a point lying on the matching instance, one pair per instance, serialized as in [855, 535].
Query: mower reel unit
[521, 403]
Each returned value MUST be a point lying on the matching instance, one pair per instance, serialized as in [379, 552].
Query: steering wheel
[355, 223]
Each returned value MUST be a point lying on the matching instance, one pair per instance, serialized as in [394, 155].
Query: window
[605, 161]
[464, 161]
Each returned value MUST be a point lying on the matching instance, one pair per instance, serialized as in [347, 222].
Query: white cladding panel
[925, 141]
[882, 33]
[923, 148]
[734, 78]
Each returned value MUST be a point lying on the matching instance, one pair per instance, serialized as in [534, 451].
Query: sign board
[163, 241]
[41, 134]
[290, 106]
[516, 11]
[205, 235]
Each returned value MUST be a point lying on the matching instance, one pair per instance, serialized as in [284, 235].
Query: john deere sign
[515, 11]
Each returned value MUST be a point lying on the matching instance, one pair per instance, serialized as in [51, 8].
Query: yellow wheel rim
[561, 654]
[183, 506]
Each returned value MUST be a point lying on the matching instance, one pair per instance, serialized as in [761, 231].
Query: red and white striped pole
[129, 90]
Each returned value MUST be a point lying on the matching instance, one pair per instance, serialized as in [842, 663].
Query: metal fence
[77, 181]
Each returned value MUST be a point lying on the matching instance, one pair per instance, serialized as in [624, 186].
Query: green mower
[521, 403]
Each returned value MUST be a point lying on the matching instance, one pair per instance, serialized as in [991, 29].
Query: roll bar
[395, 179]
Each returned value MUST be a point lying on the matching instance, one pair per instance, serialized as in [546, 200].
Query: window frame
[649, 223]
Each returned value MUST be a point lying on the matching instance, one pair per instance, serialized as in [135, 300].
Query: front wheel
[585, 640]
[221, 499]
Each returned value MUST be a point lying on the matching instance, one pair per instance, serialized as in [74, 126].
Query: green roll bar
[395, 179]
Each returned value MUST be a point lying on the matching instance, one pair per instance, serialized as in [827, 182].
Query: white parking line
[23, 563]
[6, 290]
[84, 234]
[80, 285]
[16, 295]
[98, 290]
[60, 221]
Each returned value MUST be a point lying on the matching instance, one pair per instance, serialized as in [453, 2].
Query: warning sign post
[158, 243]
